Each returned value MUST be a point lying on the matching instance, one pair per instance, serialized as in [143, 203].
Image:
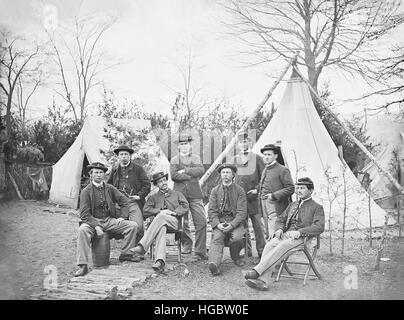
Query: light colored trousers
[157, 231]
[273, 253]
[86, 232]
[135, 214]
[268, 206]
[200, 222]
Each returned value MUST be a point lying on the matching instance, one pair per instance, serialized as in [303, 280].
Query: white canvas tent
[389, 133]
[308, 150]
[92, 143]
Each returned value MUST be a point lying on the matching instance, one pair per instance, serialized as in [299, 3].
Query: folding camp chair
[310, 264]
[178, 232]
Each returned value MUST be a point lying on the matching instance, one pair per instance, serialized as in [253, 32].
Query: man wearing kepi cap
[131, 179]
[249, 169]
[186, 170]
[227, 216]
[275, 189]
[304, 217]
[98, 215]
[166, 206]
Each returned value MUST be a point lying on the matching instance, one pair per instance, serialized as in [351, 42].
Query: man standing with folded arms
[186, 170]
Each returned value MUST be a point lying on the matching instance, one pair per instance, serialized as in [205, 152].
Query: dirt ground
[35, 235]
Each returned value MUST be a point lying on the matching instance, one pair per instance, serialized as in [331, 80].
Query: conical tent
[309, 151]
[92, 144]
[388, 132]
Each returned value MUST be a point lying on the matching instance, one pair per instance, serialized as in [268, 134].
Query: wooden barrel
[101, 250]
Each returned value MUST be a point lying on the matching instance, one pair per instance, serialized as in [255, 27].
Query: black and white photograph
[220, 152]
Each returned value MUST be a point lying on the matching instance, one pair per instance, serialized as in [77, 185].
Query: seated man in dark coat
[98, 215]
[166, 205]
[227, 215]
[303, 217]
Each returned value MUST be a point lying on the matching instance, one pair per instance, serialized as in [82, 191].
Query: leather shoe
[129, 257]
[158, 265]
[138, 250]
[82, 270]
[257, 284]
[239, 262]
[251, 274]
[214, 269]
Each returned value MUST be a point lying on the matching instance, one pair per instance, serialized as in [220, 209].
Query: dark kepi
[158, 175]
[97, 165]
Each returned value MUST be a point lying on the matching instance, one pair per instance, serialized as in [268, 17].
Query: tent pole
[220, 158]
[356, 141]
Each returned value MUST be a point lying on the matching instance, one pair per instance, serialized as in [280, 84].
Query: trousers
[200, 222]
[157, 231]
[268, 207]
[86, 232]
[233, 239]
[135, 214]
[273, 253]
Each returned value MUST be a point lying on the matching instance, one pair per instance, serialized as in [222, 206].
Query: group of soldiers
[251, 187]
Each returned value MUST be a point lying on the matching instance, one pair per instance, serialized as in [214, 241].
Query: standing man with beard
[276, 188]
[186, 170]
[131, 179]
[249, 169]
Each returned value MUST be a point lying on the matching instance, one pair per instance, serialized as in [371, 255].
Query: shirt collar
[227, 185]
[164, 192]
[304, 200]
[123, 166]
[272, 163]
[97, 185]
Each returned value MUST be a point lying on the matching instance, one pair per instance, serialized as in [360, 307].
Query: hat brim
[179, 141]
[131, 151]
[95, 167]
[274, 149]
[155, 180]
[232, 168]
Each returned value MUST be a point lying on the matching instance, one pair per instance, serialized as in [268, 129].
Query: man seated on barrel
[302, 218]
[167, 206]
[98, 215]
[227, 215]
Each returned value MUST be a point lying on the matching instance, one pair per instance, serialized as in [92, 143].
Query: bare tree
[76, 53]
[326, 32]
[391, 77]
[26, 88]
[190, 103]
[17, 60]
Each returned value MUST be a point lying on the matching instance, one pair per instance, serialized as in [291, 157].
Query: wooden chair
[311, 256]
[177, 233]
